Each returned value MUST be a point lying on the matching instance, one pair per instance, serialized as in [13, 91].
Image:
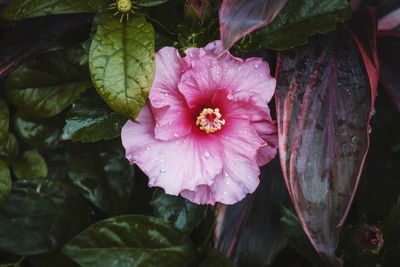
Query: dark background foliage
[68, 196]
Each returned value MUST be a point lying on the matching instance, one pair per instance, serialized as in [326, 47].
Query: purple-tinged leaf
[32, 36]
[250, 232]
[199, 6]
[324, 96]
[238, 18]
[389, 59]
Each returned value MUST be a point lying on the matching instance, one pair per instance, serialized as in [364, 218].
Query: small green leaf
[121, 62]
[31, 165]
[40, 216]
[91, 120]
[11, 150]
[300, 19]
[4, 123]
[43, 134]
[215, 258]
[135, 241]
[183, 214]
[5, 182]
[22, 9]
[48, 85]
[149, 3]
[105, 178]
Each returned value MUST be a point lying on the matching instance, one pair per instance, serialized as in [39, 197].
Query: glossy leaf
[238, 18]
[134, 240]
[48, 85]
[40, 216]
[30, 165]
[91, 120]
[121, 62]
[250, 232]
[5, 182]
[43, 134]
[300, 19]
[214, 258]
[324, 103]
[29, 38]
[22, 9]
[105, 178]
[150, 3]
[389, 56]
[4, 123]
[183, 214]
[11, 149]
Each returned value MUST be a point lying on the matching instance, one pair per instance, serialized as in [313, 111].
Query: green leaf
[31, 165]
[300, 19]
[22, 9]
[48, 85]
[183, 214]
[215, 258]
[5, 182]
[135, 241]
[11, 150]
[149, 3]
[43, 134]
[105, 178]
[40, 216]
[4, 123]
[91, 120]
[121, 62]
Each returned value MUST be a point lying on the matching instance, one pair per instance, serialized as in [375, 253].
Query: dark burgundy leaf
[250, 232]
[238, 18]
[30, 37]
[324, 96]
[389, 60]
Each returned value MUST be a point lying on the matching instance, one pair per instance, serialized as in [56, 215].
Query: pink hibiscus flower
[207, 128]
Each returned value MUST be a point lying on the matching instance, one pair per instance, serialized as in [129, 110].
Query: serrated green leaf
[30, 165]
[183, 214]
[40, 216]
[22, 9]
[121, 62]
[48, 85]
[300, 19]
[135, 241]
[4, 123]
[5, 182]
[91, 120]
[43, 134]
[105, 178]
[11, 149]
[215, 258]
[150, 3]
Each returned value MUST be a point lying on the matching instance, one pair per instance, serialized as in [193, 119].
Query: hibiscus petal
[266, 129]
[174, 165]
[168, 104]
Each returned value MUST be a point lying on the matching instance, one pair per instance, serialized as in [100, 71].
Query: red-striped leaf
[324, 96]
[238, 18]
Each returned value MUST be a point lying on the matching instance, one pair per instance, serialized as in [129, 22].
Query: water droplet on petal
[256, 66]
[158, 125]
[166, 94]
[147, 148]
[176, 135]
[226, 174]
[206, 155]
[162, 171]
[225, 193]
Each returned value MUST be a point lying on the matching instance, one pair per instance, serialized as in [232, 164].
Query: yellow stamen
[210, 120]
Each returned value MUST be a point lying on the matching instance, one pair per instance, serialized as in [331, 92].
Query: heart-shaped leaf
[300, 19]
[11, 149]
[48, 85]
[91, 120]
[30, 165]
[238, 18]
[5, 182]
[325, 94]
[106, 178]
[121, 62]
[22, 9]
[183, 214]
[43, 134]
[133, 240]
[41, 216]
[4, 123]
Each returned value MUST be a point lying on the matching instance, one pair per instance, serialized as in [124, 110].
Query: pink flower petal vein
[206, 128]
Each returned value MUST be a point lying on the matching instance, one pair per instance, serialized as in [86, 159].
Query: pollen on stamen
[210, 120]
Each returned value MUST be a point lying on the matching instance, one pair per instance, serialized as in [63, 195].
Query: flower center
[210, 120]
[124, 6]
